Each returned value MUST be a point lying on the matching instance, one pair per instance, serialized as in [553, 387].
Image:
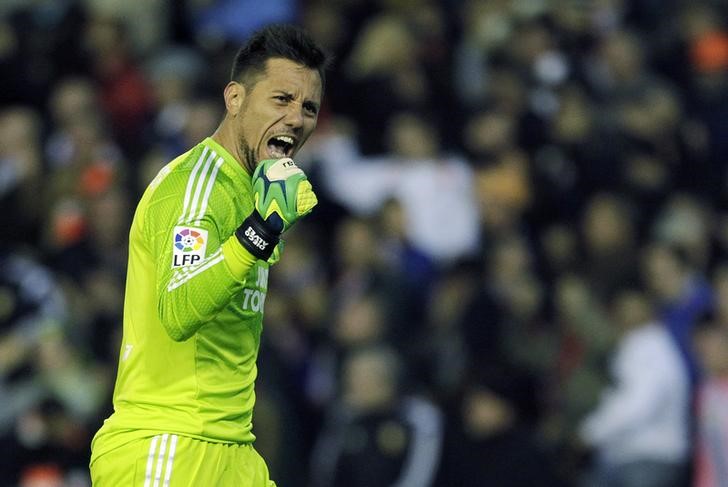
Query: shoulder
[648, 335]
[655, 349]
[192, 184]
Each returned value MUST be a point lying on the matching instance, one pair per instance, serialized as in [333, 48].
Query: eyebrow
[290, 96]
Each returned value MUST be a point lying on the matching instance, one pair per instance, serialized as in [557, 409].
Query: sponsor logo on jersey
[188, 246]
[254, 299]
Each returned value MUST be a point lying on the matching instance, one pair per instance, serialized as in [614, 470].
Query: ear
[234, 95]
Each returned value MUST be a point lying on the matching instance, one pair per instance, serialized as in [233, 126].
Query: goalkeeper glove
[282, 195]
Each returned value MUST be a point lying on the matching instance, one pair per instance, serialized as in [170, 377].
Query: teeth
[280, 146]
[286, 139]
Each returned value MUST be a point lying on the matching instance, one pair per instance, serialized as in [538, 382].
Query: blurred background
[517, 274]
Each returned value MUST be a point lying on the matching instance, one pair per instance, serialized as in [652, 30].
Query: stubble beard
[249, 159]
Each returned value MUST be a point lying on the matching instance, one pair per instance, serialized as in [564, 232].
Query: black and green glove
[282, 195]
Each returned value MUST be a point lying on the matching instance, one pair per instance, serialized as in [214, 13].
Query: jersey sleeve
[198, 269]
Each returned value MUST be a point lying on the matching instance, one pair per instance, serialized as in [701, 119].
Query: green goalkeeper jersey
[193, 308]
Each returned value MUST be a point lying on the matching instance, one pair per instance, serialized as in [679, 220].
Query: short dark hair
[277, 41]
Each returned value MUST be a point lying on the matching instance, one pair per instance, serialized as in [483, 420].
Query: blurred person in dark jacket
[502, 322]
[719, 283]
[703, 44]
[395, 65]
[124, 91]
[610, 243]
[377, 435]
[681, 292]
[578, 372]
[21, 179]
[488, 439]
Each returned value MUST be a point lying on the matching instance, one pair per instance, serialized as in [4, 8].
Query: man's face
[279, 112]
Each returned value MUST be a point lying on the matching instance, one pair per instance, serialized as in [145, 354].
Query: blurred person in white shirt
[711, 434]
[435, 189]
[640, 429]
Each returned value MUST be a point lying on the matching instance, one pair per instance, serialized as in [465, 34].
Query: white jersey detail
[208, 190]
[198, 187]
[150, 461]
[160, 459]
[191, 183]
[170, 461]
[181, 277]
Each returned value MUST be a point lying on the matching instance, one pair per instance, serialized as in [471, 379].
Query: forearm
[622, 411]
[196, 294]
[362, 184]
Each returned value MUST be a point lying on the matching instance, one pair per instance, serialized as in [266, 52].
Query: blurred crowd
[517, 274]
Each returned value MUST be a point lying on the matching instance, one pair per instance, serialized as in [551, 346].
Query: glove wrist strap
[256, 237]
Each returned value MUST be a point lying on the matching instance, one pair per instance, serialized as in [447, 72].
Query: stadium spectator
[443, 226]
[682, 294]
[640, 428]
[378, 434]
[488, 439]
[585, 142]
[711, 340]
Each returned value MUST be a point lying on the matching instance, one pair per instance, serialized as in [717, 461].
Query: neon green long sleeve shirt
[193, 307]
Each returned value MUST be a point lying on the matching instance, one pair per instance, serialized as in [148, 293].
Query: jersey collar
[230, 161]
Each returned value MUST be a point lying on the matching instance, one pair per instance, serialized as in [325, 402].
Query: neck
[225, 136]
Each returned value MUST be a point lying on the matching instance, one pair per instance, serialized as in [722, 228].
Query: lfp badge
[189, 246]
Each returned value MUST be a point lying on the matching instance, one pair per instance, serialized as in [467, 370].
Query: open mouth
[280, 146]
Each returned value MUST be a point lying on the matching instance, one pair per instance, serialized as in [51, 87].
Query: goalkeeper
[203, 237]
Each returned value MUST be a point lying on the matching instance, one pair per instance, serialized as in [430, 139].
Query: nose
[294, 117]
